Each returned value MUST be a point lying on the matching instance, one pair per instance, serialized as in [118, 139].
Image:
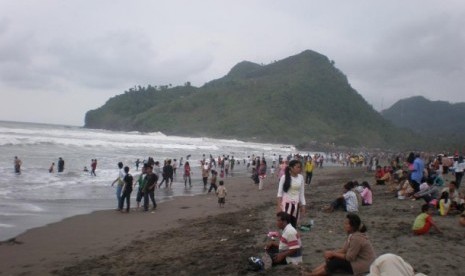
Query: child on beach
[444, 204]
[423, 222]
[221, 192]
[213, 181]
[367, 195]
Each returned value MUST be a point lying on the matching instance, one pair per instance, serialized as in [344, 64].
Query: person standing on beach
[205, 173]
[119, 186]
[93, 167]
[17, 165]
[221, 193]
[291, 192]
[167, 174]
[157, 170]
[417, 172]
[261, 174]
[61, 165]
[459, 168]
[137, 164]
[187, 174]
[175, 166]
[141, 181]
[308, 170]
[127, 190]
[149, 188]
[213, 181]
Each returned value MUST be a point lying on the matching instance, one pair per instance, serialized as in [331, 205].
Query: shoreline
[41, 249]
[63, 209]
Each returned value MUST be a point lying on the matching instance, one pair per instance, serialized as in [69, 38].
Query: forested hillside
[439, 121]
[302, 100]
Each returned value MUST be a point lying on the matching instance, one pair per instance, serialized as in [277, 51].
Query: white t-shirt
[296, 192]
[459, 167]
[290, 239]
[351, 201]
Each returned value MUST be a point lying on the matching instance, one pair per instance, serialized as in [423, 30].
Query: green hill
[440, 121]
[301, 100]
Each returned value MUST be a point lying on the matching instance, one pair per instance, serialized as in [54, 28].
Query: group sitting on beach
[406, 180]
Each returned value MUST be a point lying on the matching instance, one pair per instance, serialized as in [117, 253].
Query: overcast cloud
[59, 59]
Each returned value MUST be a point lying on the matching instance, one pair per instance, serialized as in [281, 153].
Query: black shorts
[221, 200]
[335, 264]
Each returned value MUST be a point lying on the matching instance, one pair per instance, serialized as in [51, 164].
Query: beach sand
[192, 236]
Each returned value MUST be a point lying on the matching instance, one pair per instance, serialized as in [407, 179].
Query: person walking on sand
[17, 165]
[120, 183]
[127, 190]
[291, 192]
[213, 181]
[221, 193]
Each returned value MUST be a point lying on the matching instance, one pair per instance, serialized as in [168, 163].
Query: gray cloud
[82, 52]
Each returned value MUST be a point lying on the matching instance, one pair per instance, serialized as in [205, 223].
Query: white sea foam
[37, 192]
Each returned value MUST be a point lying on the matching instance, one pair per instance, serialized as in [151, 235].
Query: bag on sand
[255, 264]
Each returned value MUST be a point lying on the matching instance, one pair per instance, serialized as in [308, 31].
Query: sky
[60, 59]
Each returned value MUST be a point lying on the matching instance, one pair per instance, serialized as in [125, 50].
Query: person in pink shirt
[367, 195]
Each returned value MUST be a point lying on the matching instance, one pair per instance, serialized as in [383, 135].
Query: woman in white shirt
[291, 192]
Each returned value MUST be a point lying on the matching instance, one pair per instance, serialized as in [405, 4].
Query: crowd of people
[413, 179]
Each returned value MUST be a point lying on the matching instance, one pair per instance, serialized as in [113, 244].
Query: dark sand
[192, 236]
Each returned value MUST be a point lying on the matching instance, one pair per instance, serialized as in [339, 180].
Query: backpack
[255, 264]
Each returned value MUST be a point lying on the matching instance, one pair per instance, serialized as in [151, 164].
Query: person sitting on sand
[379, 174]
[367, 195]
[405, 189]
[355, 257]
[289, 248]
[348, 200]
[423, 222]
[444, 204]
[457, 203]
[430, 194]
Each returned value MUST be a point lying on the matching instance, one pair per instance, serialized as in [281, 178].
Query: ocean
[36, 197]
